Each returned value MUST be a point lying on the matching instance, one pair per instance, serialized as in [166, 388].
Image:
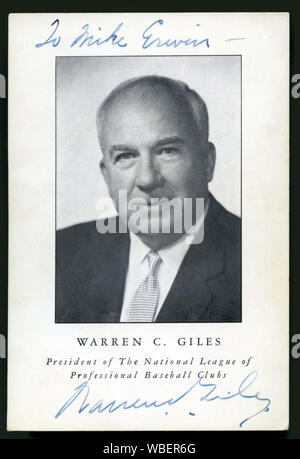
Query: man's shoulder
[94, 228]
[77, 230]
[85, 238]
[224, 223]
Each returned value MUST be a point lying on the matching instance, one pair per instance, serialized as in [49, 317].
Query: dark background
[93, 442]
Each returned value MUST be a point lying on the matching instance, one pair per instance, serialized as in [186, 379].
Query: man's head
[153, 133]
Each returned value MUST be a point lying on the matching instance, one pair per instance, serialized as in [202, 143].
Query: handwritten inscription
[149, 38]
[52, 39]
[210, 395]
[90, 40]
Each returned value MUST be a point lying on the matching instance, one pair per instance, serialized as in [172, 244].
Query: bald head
[152, 92]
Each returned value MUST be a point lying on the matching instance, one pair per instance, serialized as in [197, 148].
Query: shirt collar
[138, 250]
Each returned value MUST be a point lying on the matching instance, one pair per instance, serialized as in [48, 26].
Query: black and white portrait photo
[148, 189]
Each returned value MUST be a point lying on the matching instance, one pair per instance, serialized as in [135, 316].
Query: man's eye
[125, 156]
[168, 151]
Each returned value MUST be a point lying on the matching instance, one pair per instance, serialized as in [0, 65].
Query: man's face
[152, 148]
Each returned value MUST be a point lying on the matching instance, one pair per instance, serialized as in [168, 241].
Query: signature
[210, 395]
[149, 38]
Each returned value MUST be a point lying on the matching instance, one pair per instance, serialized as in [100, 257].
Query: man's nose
[148, 176]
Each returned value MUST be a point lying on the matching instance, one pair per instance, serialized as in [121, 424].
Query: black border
[241, 173]
[91, 441]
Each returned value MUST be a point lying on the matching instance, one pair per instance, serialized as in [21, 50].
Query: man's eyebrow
[166, 140]
[119, 147]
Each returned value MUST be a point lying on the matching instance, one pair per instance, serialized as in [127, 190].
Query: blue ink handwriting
[54, 40]
[235, 38]
[151, 37]
[170, 42]
[100, 406]
[86, 39]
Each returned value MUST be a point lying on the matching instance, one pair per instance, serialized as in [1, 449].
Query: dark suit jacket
[91, 271]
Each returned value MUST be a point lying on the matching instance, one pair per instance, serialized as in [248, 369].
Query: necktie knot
[154, 262]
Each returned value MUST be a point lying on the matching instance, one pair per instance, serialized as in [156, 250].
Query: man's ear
[210, 162]
[103, 170]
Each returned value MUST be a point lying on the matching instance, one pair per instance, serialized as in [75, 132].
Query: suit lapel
[190, 294]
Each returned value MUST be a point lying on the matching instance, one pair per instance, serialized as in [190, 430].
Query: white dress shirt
[171, 259]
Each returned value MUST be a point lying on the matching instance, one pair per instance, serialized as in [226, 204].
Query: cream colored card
[214, 357]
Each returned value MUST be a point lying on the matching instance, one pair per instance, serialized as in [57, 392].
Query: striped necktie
[144, 303]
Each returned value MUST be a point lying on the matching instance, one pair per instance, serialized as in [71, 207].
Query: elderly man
[153, 133]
